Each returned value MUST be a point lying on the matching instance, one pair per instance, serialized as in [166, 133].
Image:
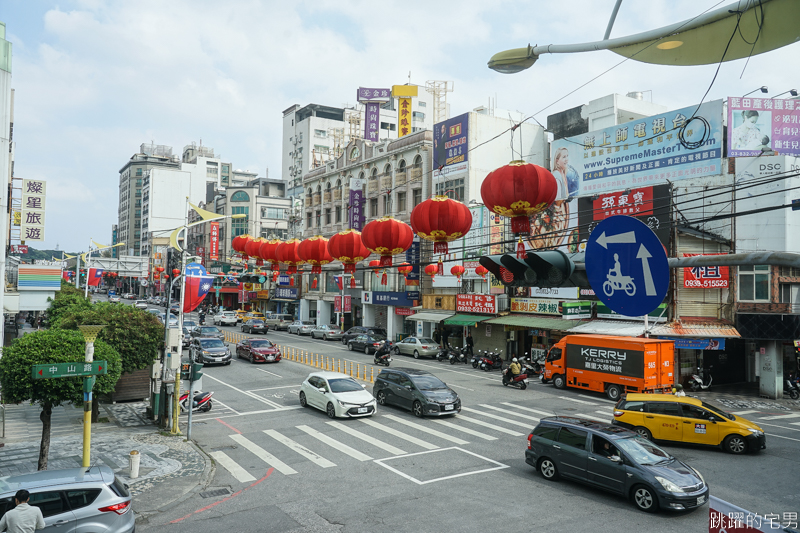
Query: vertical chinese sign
[404, 93]
[32, 220]
[372, 99]
[213, 241]
[356, 214]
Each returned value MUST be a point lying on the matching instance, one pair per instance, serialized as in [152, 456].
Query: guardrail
[316, 360]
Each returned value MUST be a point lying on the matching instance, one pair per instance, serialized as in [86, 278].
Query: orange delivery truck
[613, 365]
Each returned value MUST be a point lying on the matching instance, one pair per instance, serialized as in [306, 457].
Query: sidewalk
[744, 396]
[170, 468]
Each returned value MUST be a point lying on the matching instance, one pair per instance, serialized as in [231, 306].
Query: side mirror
[712, 419]
[323, 391]
[616, 459]
[409, 387]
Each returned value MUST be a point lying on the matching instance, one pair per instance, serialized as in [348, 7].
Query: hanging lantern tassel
[314, 283]
[352, 282]
[520, 249]
[440, 268]
[275, 276]
[384, 278]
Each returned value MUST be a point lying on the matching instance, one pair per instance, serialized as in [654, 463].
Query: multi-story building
[131, 177]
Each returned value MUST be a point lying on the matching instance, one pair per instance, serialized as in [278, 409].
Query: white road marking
[591, 417]
[246, 393]
[425, 429]
[543, 413]
[490, 426]
[399, 434]
[259, 412]
[382, 462]
[460, 387]
[263, 454]
[268, 372]
[782, 427]
[242, 475]
[366, 438]
[780, 437]
[526, 417]
[299, 448]
[500, 418]
[607, 413]
[226, 406]
[273, 388]
[344, 448]
[577, 400]
[742, 413]
[781, 417]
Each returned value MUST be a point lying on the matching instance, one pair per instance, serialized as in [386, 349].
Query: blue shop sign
[697, 344]
[398, 299]
[283, 279]
[286, 293]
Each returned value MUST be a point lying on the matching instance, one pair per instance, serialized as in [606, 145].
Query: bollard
[134, 464]
[371, 375]
[351, 369]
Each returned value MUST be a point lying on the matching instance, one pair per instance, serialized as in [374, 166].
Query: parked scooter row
[791, 386]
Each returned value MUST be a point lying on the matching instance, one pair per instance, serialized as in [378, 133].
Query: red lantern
[432, 270]
[156, 276]
[267, 250]
[519, 190]
[386, 237]
[251, 247]
[314, 251]
[405, 269]
[243, 241]
[441, 219]
[237, 244]
[287, 254]
[159, 269]
[346, 246]
[482, 271]
[175, 271]
[375, 263]
[457, 271]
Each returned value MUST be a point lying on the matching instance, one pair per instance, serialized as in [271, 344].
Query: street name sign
[69, 370]
[627, 266]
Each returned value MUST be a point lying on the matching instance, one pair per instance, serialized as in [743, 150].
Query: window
[273, 212]
[50, 503]
[138, 171]
[81, 498]
[308, 219]
[327, 215]
[401, 202]
[422, 104]
[546, 432]
[754, 283]
[790, 293]
[664, 408]
[389, 127]
[437, 302]
[692, 411]
[240, 196]
[239, 225]
[417, 115]
[453, 189]
[338, 214]
[225, 169]
[572, 437]
[789, 272]
[320, 133]
[318, 217]
[386, 205]
[417, 196]
[373, 207]
[138, 183]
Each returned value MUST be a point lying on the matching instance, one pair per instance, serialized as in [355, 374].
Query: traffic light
[186, 371]
[197, 371]
[550, 268]
[191, 371]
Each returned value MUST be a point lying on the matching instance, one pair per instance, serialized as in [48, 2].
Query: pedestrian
[445, 336]
[470, 343]
[23, 518]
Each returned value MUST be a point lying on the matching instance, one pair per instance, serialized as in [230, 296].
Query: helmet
[679, 387]
[514, 360]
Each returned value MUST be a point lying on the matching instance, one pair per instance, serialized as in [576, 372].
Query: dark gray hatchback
[614, 459]
[417, 390]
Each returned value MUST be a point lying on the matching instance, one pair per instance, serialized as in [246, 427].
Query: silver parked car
[326, 332]
[75, 499]
[417, 346]
[301, 327]
[225, 318]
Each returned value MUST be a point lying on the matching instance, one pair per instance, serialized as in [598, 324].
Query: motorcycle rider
[382, 350]
[514, 368]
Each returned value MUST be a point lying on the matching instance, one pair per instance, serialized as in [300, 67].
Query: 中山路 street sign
[69, 370]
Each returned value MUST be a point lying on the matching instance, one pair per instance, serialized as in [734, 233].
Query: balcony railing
[415, 174]
[309, 201]
[326, 197]
[386, 182]
[317, 199]
[400, 179]
[337, 194]
[372, 186]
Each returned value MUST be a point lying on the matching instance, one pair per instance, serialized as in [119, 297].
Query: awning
[697, 328]
[621, 328]
[430, 316]
[533, 322]
[465, 320]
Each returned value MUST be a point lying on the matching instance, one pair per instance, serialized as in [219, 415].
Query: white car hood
[359, 397]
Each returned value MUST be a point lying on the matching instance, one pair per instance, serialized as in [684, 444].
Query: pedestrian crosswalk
[334, 443]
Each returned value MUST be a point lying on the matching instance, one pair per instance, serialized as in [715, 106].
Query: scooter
[444, 353]
[517, 381]
[201, 403]
[458, 356]
[491, 361]
[532, 368]
[476, 358]
[382, 355]
[792, 388]
[697, 381]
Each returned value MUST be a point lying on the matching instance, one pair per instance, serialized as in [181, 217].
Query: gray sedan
[326, 332]
[417, 346]
[209, 351]
[301, 327]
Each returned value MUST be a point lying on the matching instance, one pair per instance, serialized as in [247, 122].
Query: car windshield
[378, 331]
[308, 323]
[189, 323]
[211, 343]
[344, 385]
[376, 338]
[642, 451]
[428, 382]
[257, 321]
[209, 330]
[426, 340]
[261, 344]
[717, 410]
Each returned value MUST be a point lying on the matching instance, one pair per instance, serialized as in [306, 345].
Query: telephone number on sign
[474, 309]
[706, 283]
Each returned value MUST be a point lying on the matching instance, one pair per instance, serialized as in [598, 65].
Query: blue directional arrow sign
[627, 266]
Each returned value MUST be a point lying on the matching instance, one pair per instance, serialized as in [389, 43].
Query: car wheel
[381, 397]
[238, 354]
[613, 392]
[242, 329]
[303, 401]
[645, 499]
[735, 444]
[643, 432]
[366, 350]
[559, 381]
[324, 337]
[331, 410]
[397, 351]
[252, 359]
[417, 409]
[548, 469]
[416, 354]
[350, 346]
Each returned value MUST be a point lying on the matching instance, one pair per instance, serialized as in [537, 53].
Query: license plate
[218, 359]
[270, 358]
[701, 500]
[362, 409]
[448, 407]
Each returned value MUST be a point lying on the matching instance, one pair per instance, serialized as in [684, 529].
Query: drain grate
[214, 493]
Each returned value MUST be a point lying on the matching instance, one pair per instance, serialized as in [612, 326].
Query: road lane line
[366, 438]
[299, 448]
[500, 418]
[742, 413]
[478, 434]
[226, 406]
[781, 437]
[399, 434]
[543, 413]
[268, 372]
[424, 429]
[237, 389]
[577, 400]
[782, 427]
[526, 417]
[263, 454]
[781, 417]
[344, 448]
[229, 426]
[242, 475]
[591, 417]
[490, 426]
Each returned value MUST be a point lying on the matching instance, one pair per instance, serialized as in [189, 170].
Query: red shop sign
[635, 203]
[475, 303]
[705, 277]
[403, 311]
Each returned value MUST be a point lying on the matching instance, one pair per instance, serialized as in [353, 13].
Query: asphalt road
[285, 468]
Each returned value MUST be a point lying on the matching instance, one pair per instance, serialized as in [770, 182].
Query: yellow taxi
[253, 314]
[240, 314]
[667, 417]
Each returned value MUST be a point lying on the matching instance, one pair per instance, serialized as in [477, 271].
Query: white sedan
[336, 394]
[225, 318]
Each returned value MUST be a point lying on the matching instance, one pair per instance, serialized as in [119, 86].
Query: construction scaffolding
[439, 90]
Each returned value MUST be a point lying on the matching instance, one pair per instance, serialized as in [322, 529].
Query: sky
[94, 79]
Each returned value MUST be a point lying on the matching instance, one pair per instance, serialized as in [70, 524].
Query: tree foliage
[66, 299]
[53, 346]
[134, 333]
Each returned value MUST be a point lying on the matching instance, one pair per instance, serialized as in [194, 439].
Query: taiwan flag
[339, 282]
[95, 276]
[198, 283]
